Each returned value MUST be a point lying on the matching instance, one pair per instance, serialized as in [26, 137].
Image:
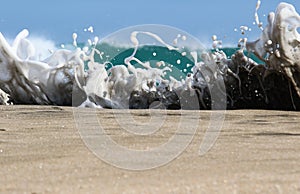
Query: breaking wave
[155, 66]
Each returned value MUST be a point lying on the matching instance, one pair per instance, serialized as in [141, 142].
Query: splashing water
[144, 64]
[137, 82]
[279, 43]
[256, 17]
[64, 74]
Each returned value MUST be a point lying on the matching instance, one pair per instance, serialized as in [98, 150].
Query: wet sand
[41, 151]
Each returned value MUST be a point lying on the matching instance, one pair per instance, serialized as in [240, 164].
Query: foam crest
[54, 80]
[279, 43]
[30, 81]
[174, 71]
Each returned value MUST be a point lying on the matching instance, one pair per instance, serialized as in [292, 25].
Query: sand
[41, 151]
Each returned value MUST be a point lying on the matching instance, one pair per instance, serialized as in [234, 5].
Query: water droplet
[91, 29]
[269, 42]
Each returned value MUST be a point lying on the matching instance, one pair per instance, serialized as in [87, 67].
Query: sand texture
[41, 151]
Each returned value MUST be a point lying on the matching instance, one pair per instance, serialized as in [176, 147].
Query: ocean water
[157, 66]
[145, 53]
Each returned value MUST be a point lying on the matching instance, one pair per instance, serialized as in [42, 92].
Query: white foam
[52, 81]
[279, 44]
[43, 47]
[4, 98]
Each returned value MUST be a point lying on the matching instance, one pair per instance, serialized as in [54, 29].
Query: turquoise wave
[115, 55]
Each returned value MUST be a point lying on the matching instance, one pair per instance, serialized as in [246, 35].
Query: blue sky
[58, 19]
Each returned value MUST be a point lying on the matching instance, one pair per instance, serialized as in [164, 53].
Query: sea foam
[74, 77]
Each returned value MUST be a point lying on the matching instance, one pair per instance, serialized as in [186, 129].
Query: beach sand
[41, 151]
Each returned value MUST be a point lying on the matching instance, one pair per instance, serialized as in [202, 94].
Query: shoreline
[41, 151]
